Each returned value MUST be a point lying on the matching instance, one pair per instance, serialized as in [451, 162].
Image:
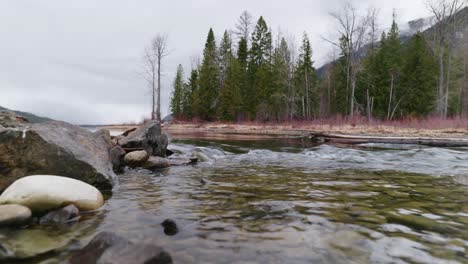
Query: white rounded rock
[14, 214]
[42, 193]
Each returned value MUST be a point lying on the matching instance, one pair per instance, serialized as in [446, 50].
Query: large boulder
[149, 138]
[56, 148]
[14, 215]
[110, 248]
[43, 193]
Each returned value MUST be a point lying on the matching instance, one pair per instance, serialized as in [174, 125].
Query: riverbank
[442, 129]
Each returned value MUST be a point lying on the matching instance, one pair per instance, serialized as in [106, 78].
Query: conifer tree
[190, 91]
[208, 85]
[230, 96]
[419, 77]
[259, 69]
[225, 56]
[305, 78]
[177, 93]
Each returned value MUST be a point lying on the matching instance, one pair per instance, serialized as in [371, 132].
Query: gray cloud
[79, 61]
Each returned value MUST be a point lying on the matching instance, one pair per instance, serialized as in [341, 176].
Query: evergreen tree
[191, 88]
[305, 79]
[230, 96]
[225, 56]
[419, 77]
[259, 69]
[177, 93]
[207, 93]
[281, 82]
[242, 57]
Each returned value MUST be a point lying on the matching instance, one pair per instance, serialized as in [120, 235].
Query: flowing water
[286, 201]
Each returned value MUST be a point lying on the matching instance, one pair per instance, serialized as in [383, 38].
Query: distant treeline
[251, 76]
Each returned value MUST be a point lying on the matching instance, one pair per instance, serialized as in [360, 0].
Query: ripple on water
[286, 205]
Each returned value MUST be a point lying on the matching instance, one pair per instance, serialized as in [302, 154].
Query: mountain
[31, 117]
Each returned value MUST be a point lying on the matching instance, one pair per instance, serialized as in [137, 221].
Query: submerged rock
[43, 193]
[14, 215]
[148, 137]
[154, 163]
[136, 158]
[96, 247]
[61, 216]
[170, 227]
[27, 243]
[56, 148]
[110, 248]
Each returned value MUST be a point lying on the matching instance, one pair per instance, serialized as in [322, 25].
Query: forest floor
[433, 128]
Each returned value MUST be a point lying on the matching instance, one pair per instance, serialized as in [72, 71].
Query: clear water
[286, 201]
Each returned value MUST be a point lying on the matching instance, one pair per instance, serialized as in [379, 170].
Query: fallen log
[355, 140]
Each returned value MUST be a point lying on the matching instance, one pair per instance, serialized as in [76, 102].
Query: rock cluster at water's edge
[56, 148]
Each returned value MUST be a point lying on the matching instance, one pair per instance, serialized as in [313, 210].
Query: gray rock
[64, 215]
[11, 119]
[182, 161]
[156, 163]
[135, 254]
[148, 137]
[136, 158]
[116, 155]
[96, 247]
[201, 157]
[14, 215]
[56, 148]
[109, 248]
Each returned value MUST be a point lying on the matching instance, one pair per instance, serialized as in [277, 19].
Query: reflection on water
[290, 202]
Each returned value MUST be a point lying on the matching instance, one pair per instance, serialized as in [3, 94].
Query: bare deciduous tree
[352, 29]
[152, 60]
[444, 12]
[244, 25]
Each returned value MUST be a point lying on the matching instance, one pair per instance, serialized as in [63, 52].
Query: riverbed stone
[182, 161]
[136, 158]
[96, 247]
[107, 247]
[63, 215]
[42, 193]
[170, 227]
[148, 137]
[14, 215]
[56, 148]
[154, 163]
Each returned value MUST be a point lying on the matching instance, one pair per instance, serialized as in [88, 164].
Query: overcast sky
[80, 61]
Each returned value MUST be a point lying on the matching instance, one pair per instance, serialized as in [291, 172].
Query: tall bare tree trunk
[441, 82]
[153, 112]
[158, 112]
[307, 95]
[368, 105]
[389, 112]
[353, 89]
[447, 86]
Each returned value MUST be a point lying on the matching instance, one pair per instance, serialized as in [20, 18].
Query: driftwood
[353, 140]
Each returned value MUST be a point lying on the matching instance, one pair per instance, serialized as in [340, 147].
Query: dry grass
[430, 127]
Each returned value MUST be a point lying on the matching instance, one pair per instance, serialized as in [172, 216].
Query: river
[287, 201]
